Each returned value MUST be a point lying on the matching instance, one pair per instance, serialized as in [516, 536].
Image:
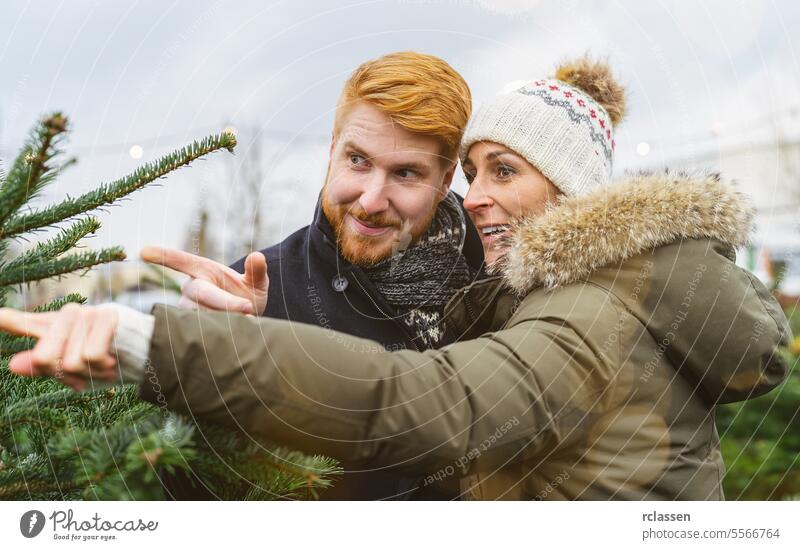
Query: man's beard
[367, 251]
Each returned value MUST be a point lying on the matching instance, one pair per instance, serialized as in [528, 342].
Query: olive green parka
[589, 368]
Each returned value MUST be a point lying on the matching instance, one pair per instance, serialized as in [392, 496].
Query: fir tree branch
[11, 490]
[55, 443]
[58, 303]
[9, 344]
[37, 420]
[30, 409]
[60, 266]
[106, 194]
[312, 469]
[56, 246]
[25, 481]
[159, 277]
[235, 468]
[27, 173]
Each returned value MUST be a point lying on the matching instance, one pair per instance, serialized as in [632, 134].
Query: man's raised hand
[213, 285]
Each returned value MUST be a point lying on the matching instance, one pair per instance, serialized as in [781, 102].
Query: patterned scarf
[419, 281]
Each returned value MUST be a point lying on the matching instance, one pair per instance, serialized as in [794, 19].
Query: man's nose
[375, 197]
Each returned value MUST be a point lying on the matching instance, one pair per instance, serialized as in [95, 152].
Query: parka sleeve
[326, 392]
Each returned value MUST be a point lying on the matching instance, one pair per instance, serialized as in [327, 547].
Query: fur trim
[584, 233]
[595, 79]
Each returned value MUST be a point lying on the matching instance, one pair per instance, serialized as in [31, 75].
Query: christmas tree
[58, 444]
[760, 438]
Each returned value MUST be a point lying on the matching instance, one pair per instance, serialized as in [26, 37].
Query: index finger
[194, 266]
[24, 324]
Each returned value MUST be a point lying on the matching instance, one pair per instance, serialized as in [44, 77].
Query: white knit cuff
[131, 342]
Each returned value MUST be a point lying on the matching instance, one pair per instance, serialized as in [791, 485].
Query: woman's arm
[322, 391]
[326, 392]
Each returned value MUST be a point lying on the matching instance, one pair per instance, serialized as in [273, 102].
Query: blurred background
[714, 85]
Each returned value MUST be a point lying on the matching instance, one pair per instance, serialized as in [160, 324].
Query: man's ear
[333, 145]
[447, 180]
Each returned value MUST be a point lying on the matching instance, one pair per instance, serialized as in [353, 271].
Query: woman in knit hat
[549, 138]
[589, 367]
[630, 320]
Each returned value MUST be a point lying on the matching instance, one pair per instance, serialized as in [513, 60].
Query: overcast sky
[702, 75]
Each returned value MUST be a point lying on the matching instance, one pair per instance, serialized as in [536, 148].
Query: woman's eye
[469, 177]
[505, 171]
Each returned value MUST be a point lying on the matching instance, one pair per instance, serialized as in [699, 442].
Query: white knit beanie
[564, 126]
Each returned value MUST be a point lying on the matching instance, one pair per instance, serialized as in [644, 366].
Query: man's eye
[469, 177]
[357, 159]
[406, 173]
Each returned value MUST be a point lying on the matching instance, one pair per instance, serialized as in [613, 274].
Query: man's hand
[213, 285]
[74, 343]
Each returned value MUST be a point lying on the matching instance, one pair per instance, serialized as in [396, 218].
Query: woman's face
[502, 186]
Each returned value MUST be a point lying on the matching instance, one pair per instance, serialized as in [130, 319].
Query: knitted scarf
[419, 281]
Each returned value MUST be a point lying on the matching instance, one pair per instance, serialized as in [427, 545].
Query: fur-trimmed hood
[584, 233]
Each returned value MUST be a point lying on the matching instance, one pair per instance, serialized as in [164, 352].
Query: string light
[136, 152]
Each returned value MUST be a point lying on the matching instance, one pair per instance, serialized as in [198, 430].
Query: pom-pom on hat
[564, 126]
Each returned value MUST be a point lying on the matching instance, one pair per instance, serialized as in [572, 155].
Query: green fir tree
[760, 437]
[58, 444]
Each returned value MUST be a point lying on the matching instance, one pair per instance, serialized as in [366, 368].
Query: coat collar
[584, 233]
